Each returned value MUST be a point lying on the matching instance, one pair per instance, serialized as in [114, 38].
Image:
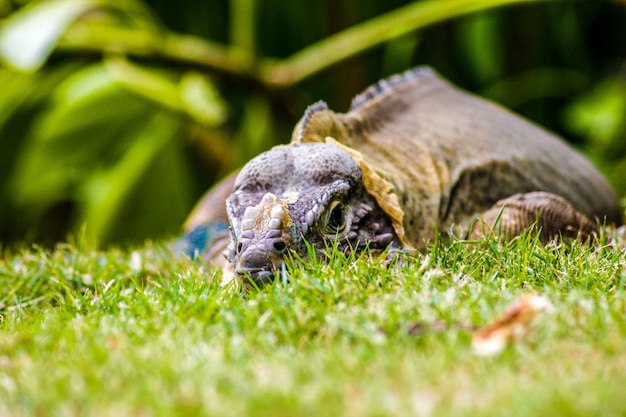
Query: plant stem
[371, 33]
[240, 60]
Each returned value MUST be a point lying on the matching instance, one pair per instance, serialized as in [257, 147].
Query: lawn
[136, 332]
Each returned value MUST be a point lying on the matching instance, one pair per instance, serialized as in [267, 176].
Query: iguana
[414, 154]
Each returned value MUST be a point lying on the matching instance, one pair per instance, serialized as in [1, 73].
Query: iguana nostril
[239, 247]
[279, 246]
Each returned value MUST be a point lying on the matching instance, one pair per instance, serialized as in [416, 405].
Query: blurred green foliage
[117, 114]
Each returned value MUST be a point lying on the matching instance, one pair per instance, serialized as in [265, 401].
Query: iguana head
[310, 192]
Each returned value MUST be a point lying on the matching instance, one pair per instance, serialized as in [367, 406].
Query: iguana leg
[555, 217]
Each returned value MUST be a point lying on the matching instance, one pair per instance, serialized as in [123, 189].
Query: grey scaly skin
[412, 156]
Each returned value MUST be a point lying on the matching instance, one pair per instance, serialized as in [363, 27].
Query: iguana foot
[554, 217]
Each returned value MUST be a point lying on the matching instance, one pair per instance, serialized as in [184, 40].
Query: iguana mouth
[256, 277]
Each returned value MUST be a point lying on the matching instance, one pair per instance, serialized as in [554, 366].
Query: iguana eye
[336, 217]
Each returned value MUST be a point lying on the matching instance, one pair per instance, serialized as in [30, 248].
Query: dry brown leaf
[512, 325]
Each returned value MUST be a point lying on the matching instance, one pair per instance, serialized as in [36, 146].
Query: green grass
[84, 332]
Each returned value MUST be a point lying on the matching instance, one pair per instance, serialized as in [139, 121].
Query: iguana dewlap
[413, 155]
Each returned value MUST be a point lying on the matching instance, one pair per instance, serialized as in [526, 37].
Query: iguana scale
[413, 155]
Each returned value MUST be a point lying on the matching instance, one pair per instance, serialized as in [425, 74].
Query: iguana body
[413, 155]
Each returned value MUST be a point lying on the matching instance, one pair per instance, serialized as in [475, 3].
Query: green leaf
[158, 202]
[483, 47]
[600, 117]
[105, 192]
[84, 129]
[86, 104]
[29, 35]
[600, 114]
[536, 83]
[201, 99]
[399, 53]
[194, 95]
[156, 86]
[254, 129]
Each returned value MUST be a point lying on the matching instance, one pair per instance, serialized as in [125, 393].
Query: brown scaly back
[452, 155]
[319, 122]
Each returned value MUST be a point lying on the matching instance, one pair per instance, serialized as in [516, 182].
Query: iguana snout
[266, 233]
